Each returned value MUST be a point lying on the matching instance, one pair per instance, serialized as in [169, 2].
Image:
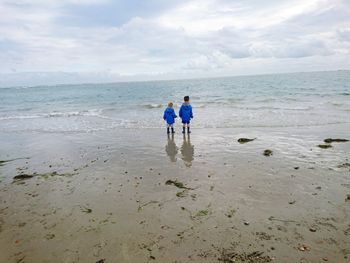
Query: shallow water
[287, 100]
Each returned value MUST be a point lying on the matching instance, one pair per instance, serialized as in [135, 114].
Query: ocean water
[283, 100]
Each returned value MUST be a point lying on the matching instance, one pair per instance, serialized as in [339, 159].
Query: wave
[153, 106]
[57, 114]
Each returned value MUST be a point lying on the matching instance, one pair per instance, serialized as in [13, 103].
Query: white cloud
[208, 36]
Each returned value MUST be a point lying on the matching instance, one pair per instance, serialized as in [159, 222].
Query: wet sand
[103, 197]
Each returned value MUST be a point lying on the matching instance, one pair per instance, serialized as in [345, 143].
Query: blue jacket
[185, 112]
[169, 115]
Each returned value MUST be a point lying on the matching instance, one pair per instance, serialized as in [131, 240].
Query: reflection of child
[169, 116]
[171, 148]
[186, 114]
[187, 151]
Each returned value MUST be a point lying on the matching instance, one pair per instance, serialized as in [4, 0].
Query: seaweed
[44, 175]
[245, 140]
[230, 256]
[54, 173]
[183, 193]
[268, 152]
[202, 213]
[325, 146]
[177, 184]
[23, 177]
[330, 140]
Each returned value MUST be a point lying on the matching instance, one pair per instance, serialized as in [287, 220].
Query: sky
[78, 41]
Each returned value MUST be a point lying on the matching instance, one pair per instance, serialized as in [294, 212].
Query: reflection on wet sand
[187, 151]
[171, 148]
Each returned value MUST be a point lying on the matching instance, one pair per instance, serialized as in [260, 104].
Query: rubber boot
[168, 130]
[172, 130]
[183, 130]
[188, 130]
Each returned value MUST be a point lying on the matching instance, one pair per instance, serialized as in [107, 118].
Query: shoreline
[108, 198]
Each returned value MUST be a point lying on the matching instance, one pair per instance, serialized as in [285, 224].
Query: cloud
[156, 38]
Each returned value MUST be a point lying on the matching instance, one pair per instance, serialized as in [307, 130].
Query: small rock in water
[100, 261]
[347, 198]
[268, 152]
[23, 176]
[330, 140]
[246, 223]
[292, 202]
[296, 168]
[344, 165]
[245, 140]
[325, 146]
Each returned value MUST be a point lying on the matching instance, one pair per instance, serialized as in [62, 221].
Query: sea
[280, 100]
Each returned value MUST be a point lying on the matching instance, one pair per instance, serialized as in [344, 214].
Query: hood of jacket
[169, 110]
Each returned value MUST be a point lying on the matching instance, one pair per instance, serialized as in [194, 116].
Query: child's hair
[186, 98]
[170, 104]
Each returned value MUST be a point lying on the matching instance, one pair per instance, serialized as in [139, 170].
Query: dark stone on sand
[245, 140]
[330, 140]
[246, 223]
[312, 229]
[100, 261]
[23, 176]
[325, 146]
[347, 198]
[86, 210]
[292, 202]
[296, 168]
[268, 152]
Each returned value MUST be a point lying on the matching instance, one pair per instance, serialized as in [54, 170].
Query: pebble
[312, 229]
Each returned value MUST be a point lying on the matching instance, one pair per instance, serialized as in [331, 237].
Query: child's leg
[168, 129]
[183, 127]
[188, 128]
[172, 128]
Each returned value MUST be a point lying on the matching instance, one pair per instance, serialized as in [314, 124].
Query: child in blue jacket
[169, 116]
[186, 114]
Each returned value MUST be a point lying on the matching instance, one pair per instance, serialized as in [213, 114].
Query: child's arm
[180, 112]
[174, 114]
[164, 116]
[191, 113]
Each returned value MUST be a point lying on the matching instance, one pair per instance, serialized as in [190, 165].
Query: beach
[109, 199]
[96, 185]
